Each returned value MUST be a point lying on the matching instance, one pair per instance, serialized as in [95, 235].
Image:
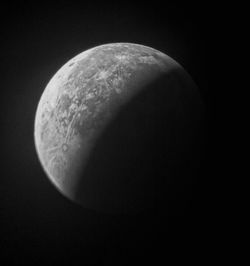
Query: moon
[113, 123]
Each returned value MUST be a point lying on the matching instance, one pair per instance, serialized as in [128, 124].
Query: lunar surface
[80, 125]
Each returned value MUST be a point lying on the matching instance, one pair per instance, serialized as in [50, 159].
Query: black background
[37, 224]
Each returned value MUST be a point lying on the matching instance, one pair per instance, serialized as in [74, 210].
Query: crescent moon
[85, 98]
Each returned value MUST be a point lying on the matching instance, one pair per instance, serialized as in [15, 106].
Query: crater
[65, 147]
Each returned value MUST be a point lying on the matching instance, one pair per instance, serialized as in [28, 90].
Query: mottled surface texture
[81, 99]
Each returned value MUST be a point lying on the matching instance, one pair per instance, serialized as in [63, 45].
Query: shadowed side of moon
[148, 155]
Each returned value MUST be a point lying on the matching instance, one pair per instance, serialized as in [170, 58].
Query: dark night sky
[37, 224]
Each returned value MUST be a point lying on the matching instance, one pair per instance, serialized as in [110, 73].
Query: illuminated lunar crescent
[81, 101]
